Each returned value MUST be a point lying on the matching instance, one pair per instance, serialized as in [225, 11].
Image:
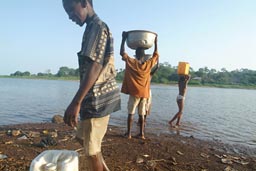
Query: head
[78, 10]
[140, 53]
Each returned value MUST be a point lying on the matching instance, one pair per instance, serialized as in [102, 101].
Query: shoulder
[101, 25]
[97, 27]
[125, 56]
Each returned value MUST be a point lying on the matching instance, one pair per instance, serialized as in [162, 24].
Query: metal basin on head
[140, 38]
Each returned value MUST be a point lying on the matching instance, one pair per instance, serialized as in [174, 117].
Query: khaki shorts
[149, 101]
[133, 102]
[92, 131]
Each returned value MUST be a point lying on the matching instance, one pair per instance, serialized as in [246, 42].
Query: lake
[226, 115]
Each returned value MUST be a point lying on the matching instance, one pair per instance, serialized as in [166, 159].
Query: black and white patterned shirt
[97, 46]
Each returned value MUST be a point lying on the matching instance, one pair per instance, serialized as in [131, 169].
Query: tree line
[167, 74]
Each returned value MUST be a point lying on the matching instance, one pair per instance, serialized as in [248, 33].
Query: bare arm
[157, 63]
[71, 114]
[122, 48]
[155, 50]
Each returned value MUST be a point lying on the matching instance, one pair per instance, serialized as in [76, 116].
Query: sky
[37, 36]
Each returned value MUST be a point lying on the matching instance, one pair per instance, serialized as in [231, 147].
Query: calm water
[226, 115]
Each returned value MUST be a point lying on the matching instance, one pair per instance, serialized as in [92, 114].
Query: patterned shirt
[97, 46]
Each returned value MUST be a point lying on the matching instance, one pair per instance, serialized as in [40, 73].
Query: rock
[228, 168]
[47, 141]
[24, 137]
[16, 133]
[33, 134]
[2, 156]
[139, 160]
[226, 161]
[151, 163]
[180, 153]
[58, 119]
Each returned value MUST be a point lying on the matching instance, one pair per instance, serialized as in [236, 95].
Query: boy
[136, 83]
[98, 94]
[149, 100]
[182, 83]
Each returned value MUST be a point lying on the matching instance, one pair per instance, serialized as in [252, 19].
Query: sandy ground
[20, 144]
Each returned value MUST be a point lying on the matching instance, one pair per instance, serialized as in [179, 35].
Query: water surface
[226, 115]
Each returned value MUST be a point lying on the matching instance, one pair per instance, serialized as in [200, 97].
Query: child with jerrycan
[184, 77]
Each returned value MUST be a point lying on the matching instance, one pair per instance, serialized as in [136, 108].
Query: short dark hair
[69, 1]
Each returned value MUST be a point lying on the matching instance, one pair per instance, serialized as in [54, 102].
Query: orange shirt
[137, 76]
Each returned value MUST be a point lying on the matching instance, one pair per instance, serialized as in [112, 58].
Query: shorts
[133, 102]
[180, 97]
[149, 101]
[92, 131]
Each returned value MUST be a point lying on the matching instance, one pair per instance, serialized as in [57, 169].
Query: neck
[90, 15]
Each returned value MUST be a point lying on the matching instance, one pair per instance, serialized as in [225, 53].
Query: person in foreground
[182, 83]
[136, 83]
[98, 94]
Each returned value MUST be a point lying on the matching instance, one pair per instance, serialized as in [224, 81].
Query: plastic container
[183, 68]
[55, 160]
[50, 167]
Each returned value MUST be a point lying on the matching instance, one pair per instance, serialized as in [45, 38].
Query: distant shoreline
[171, 83]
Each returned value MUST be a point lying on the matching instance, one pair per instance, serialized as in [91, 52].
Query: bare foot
[170, 123]
[141, 136]
[129, 136]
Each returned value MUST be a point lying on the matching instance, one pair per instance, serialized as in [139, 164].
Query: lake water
[226, 115]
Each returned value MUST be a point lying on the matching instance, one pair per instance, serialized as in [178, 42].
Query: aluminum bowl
[140, 38]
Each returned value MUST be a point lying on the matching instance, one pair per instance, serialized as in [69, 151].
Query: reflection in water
[210, 113]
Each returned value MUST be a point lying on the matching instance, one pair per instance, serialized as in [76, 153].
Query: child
[136, 83]
[149, 100]
[183, 82]
[98, 94]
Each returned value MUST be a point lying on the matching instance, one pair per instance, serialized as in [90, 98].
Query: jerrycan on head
[183, 68]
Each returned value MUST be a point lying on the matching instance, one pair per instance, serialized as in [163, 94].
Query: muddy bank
[20, 144]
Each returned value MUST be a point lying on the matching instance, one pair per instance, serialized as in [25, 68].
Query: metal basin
[140, 38]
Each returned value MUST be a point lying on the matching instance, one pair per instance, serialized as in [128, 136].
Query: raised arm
[155, 50]
[122, 48]
[157, 63]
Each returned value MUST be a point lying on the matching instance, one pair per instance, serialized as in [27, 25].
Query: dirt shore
[20, 144]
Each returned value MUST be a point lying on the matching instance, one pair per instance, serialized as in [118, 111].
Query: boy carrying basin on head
[136, 83]
[149, 100]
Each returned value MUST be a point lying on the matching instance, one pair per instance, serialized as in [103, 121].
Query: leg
[175, 117]
[95, 163]
[180, 104]
[93, 132]
[142, 126]
[145, 117]
[132, 105]
[138, 123]
[105, 167]
[178, 114]
[129, 125]
[142, 113]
